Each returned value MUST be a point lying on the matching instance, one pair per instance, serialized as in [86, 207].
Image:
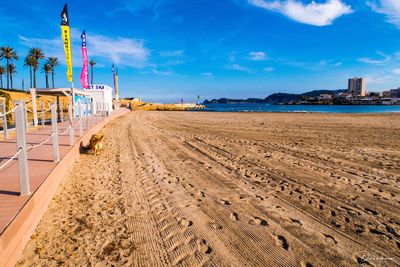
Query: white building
[101, 93]
[357, 86]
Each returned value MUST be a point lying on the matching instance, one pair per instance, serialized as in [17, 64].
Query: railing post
[21, 145]
[60, 107]
[43, 115]
[71, 126]
[100, 110]
[87, 115]
[80, 119]
[26, 118]
[3, 111]
[34, 109]
[54, 131]
[92, 111]
[97, 112]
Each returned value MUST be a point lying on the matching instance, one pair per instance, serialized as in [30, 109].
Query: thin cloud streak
[390, 8]
[239, 68]
[257, 56]
[384, 60]
[119, 50]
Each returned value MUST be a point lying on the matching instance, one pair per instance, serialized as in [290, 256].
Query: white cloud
[158, 72]
[378, 79]
[162, 73]
[383, 60]
[208, 74]
[390, 8]
[396, 71]
[257, 56]
[317, 14]
[239, 68]
[174, 53]
[269, 69]
[118, 50]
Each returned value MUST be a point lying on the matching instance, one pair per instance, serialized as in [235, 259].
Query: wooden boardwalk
[40, 165]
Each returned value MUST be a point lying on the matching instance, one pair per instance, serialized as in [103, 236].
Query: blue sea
[301, 108]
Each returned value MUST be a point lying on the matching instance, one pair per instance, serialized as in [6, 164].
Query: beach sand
[230, 189]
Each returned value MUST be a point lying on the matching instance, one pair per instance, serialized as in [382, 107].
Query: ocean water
[301, 108]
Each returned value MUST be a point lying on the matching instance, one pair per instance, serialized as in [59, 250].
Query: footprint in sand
[296, 222]
[282, 242]
[258, 221]
[371, 211]
[215, 225]
[330, 239]
[185, 222]
[224, 202]
[306, 264]
[233, 216]
[203, 247]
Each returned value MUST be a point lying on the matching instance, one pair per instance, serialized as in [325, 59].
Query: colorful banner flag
[85, 68]
[66, 37]
[116, 84]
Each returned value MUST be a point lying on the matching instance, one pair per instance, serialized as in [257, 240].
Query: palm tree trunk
[34, 77]
[8, 74]
[11, 81]
[30, 76]
[52, 77]
[47, 80]
[1, 80]
[91, 74]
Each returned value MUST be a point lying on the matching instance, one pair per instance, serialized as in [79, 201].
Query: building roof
[61, 91]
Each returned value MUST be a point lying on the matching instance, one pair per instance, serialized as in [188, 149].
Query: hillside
[274, 98]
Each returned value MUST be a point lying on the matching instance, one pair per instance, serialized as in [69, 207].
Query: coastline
[326, 109]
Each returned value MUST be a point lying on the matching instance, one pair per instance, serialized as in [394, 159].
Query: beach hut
[101, 93]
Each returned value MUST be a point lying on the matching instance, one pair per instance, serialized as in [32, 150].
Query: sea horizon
[266, 107]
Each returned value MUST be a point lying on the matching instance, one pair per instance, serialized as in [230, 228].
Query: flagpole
[66, 37]
[73, 98]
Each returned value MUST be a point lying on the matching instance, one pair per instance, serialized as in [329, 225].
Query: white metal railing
[88, 115]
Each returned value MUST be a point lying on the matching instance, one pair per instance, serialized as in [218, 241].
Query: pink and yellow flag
[85, 68]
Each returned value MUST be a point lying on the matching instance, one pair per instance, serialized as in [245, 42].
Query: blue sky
[169, 49]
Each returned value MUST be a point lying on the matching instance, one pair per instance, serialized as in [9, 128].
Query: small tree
[37, 54]
[12, 70]
[92, 63]
[53, 62]
[46, 70]
[2, 72]
[9, 54]
[30, 62]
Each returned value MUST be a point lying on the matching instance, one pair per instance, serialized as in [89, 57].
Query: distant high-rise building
[395, 93]
[357, 86]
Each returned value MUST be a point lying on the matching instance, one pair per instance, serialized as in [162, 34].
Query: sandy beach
[230, 189]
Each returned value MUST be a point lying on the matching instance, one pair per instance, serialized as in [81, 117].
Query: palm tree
[92, 63]
[37, 54]
[9, 54]
[12, 70]
[2, 72]
[46, 70]
[53, 62]
[30, 62]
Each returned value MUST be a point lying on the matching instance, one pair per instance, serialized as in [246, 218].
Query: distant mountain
[274, 98]
[234, 101]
